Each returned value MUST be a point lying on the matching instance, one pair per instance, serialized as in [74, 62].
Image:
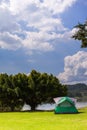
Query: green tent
[65, 105]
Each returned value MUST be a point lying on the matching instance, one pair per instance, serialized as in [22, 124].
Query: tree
[81, 34]
[9, 95]
[34, 97]
[33, 89]
[43, 88]
[20, 82]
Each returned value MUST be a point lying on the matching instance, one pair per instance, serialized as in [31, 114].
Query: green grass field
[43, 121]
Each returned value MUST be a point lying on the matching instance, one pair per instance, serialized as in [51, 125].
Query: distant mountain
[78, 91]
[78, 86]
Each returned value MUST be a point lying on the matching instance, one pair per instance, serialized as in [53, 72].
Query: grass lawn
[43, 121]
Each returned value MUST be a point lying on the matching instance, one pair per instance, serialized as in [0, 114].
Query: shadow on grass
[27, 111]
[80, 111]
[69, 113]
[30, 111]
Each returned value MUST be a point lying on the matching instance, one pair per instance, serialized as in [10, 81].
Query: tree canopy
[81, 34]
[33, 89]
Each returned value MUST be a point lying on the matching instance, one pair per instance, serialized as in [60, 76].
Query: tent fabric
[58, 98]
[65, 105]
[63, 99]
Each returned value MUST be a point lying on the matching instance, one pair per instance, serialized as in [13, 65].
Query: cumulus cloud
[55, 6]
[8, 22]
[9, 41]
[36, 41]
[75, 68]
[58, 6]
[35, 23]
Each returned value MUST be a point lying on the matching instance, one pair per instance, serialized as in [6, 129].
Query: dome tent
[65, 105]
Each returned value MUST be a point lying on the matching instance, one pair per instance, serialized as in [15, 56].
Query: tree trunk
[33, 108]
[12, 108]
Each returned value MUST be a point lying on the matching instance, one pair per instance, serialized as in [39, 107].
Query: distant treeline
[78, 90]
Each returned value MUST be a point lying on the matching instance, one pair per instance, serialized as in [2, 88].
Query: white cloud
[36, 41]
[75, 69]
[9, 41]
[18, 6]
[54, 6]
[8, 22]
[58, 6]
[41, 26]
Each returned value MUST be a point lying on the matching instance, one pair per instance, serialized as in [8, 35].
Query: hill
[78, 91]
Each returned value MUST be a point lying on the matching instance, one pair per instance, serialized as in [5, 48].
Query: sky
[36, 34]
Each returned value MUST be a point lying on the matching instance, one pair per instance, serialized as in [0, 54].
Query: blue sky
[36, 34]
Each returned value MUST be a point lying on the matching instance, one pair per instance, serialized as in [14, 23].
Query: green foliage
[81, 34]
[33, 89]
[44, 88]
[9, 95]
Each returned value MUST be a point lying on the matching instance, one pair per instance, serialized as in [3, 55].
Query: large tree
[81, 34]
[33, 89]
[43, 88]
